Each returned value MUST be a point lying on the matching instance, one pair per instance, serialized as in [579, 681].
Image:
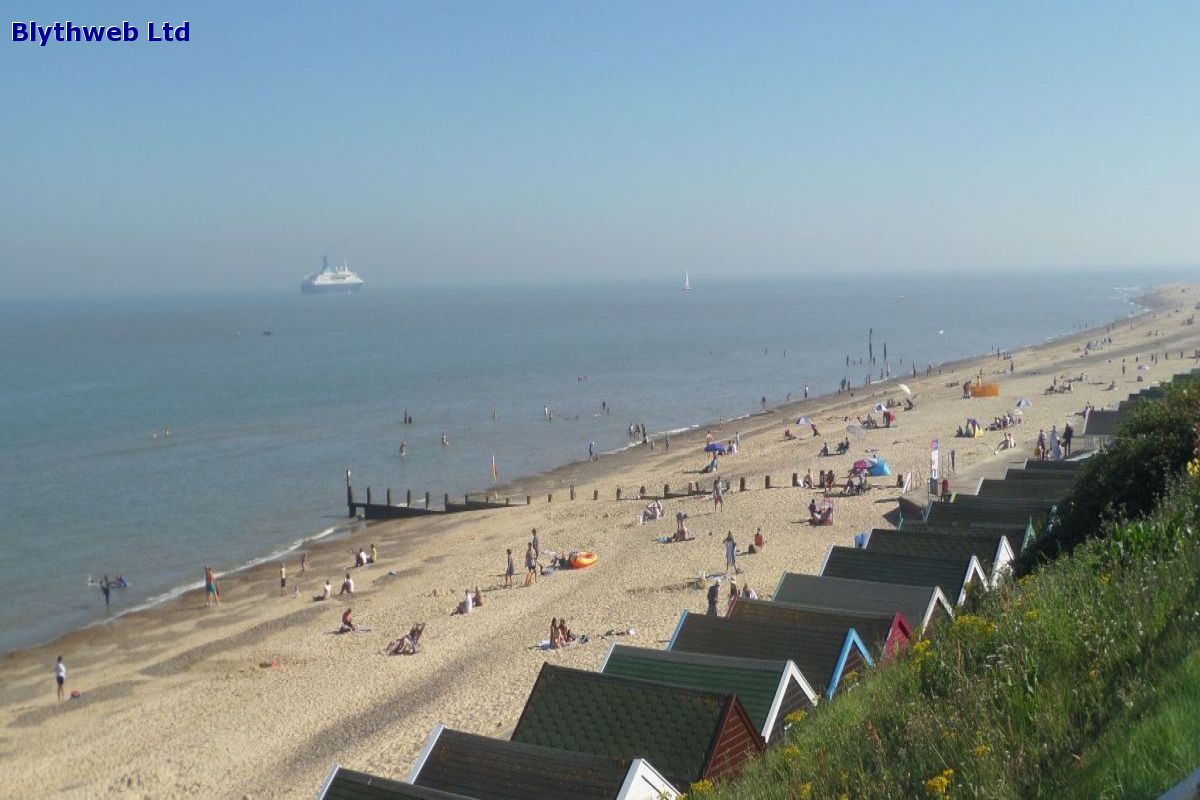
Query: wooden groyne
[389, 509]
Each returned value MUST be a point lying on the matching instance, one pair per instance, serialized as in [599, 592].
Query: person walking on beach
[806, 391]
[304, 562]
[106, 590]
[60, 676]
[592, 451]
[731, 567]
[530, 565]
[282, 578]
[537, 545]
[212, 592]
[1067, 435]
[714, 594]
[718, 498]
[509, 571]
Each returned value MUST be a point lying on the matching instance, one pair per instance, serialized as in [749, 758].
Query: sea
[152, 436]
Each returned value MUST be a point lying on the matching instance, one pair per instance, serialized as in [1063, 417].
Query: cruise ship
[331, 279]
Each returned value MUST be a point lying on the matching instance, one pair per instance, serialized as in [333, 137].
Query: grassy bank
[1080, 679]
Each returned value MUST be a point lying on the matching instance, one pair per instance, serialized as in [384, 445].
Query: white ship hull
[312, 287]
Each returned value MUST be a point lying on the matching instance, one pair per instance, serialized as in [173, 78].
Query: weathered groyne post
[349, 495]
[389, 495]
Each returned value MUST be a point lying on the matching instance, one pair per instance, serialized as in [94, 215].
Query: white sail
[687, 285]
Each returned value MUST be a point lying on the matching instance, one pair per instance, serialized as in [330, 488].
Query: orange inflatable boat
[583, 559]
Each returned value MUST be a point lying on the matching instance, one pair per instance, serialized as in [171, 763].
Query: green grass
[1079, 680]
[1144, 754]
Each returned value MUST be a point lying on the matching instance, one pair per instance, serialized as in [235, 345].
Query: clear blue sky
[448, 141]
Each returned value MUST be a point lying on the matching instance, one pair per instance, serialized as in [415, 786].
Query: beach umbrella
[880, 407]
[857, 430]
[715, 447]
[803, 421]
[861, 464]
[906, 390]
[1024, 402]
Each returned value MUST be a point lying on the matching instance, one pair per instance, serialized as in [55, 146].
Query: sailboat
[687, 285]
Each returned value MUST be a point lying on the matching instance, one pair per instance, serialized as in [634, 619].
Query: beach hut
[952, 575]
[1099, 428]
[994, 550]
[1029, 490]
[1019, 535]
[457, 764]
[688, 734]
[994, 513]
[922, 606]
[769, 689]
[348, 784]
[886, 633]
[824, 655]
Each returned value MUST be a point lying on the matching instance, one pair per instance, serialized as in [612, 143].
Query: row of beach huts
[651, 722]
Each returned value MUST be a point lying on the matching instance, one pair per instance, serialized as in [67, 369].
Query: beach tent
[1024, 402]
[480, 766]
[862, 465]
[769, 690]
[904, 388]
[923, 606]
[803, 421]
[880, 407]
[823, 654]
[688, 734]
[715, 447]
[879, 467]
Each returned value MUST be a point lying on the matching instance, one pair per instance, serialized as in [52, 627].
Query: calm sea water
[263, 427]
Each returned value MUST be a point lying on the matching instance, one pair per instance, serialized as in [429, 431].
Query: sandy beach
[259, 698]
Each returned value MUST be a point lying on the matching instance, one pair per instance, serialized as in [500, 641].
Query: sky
[444, 142]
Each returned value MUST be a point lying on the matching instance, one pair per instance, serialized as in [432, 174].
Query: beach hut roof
[688, 734]
[1035, 491]
[466, 764]
[348, 784]
[1033, 465]
[1102, 423]
[823, 654]
[883, 632]
[951, 575]
[920, 605]
[1019, 534]
[994, 550]
[769, 689]
[994, 513]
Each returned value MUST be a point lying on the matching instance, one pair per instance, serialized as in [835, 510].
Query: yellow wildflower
[1032, 615]
[796, 717]
[981, 750]
[702, 788]
[805, 791]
